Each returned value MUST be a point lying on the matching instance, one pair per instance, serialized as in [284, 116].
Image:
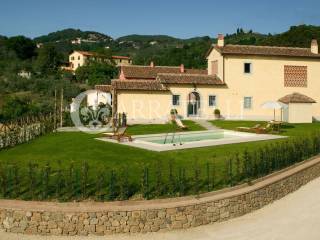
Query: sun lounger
[256, 129]
[119, 135]
[249, 129]
[180, 123]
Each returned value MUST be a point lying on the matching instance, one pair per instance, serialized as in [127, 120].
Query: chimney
[122, 76]
[152, 64]
[181, 68]
[314, 47]
[220, 40]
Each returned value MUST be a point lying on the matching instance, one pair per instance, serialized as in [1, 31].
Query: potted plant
[217, 114]
[173, 113]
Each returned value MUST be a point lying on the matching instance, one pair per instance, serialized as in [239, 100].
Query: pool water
[186, 137]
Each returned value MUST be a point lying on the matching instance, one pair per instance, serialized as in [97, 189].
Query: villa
[80, 58]
[238, 81]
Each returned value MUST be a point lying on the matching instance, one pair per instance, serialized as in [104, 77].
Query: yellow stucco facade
[240, 98]
[144, 106]
[264, 83]
[76, 60]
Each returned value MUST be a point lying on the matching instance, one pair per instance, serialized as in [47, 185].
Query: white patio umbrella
[275, 105]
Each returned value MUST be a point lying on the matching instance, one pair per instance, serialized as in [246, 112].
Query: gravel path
[295, 217]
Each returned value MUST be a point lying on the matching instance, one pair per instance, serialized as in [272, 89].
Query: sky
[178, 18]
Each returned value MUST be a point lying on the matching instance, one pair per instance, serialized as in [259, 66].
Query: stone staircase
[204, 123]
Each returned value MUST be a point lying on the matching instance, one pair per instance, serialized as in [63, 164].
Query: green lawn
[287, 129]
[162, 128]
[102, 156]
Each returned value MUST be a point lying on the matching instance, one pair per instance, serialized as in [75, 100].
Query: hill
[296, 36]
[167, 50]
[72, 34]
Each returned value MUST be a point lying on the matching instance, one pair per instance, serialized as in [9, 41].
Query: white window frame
[215, 105]
[244, 102]
[179, 99]
[244, 68]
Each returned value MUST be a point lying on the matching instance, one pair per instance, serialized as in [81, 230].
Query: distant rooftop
[151, 72]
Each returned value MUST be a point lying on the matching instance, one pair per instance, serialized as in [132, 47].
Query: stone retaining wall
[155, 215]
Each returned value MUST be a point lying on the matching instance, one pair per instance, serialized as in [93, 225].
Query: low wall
[155, 215]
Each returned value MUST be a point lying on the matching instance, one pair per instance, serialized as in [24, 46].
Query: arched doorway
[193, 104]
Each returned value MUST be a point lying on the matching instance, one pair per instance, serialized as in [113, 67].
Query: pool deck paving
[285, 219]
[142, 141]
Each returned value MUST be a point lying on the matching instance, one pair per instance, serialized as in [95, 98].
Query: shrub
[124, 184]
[145, 183]
[173, 111]
[84, 179]
[112, 185]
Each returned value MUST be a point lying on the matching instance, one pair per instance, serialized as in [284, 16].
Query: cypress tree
[230, 171]
[16, 181]
[46, 181]
[145, 183]
[59, 181]
[196, 178]
[99, 186]
[182, 182]
[159, 183]
[84, 179]
[238, 167]
[112, 185]
[171, 180]
[32, 180]
[4, 182]
[124, 184]
[208, 177]
[71, 180]
[213, 172]
[246, 165]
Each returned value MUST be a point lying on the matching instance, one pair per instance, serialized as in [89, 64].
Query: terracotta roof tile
[296, 98]
[104, 88]
[148, 72]
[199, 79]
[121, 57]
[146, 85]
[264, 51]
[85, 53]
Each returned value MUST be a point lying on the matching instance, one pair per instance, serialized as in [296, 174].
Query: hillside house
[80, 58]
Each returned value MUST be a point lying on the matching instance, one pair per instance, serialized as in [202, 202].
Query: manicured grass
[286, 130]
[78, 147]
[141, 129]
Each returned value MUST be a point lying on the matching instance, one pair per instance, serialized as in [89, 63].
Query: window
[78, 57]
[72, 58]
[247, 102]
[212, 101]
[247, 68]
[175, 100]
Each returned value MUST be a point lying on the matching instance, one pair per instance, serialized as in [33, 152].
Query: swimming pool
[185, 140]
[181, 138]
